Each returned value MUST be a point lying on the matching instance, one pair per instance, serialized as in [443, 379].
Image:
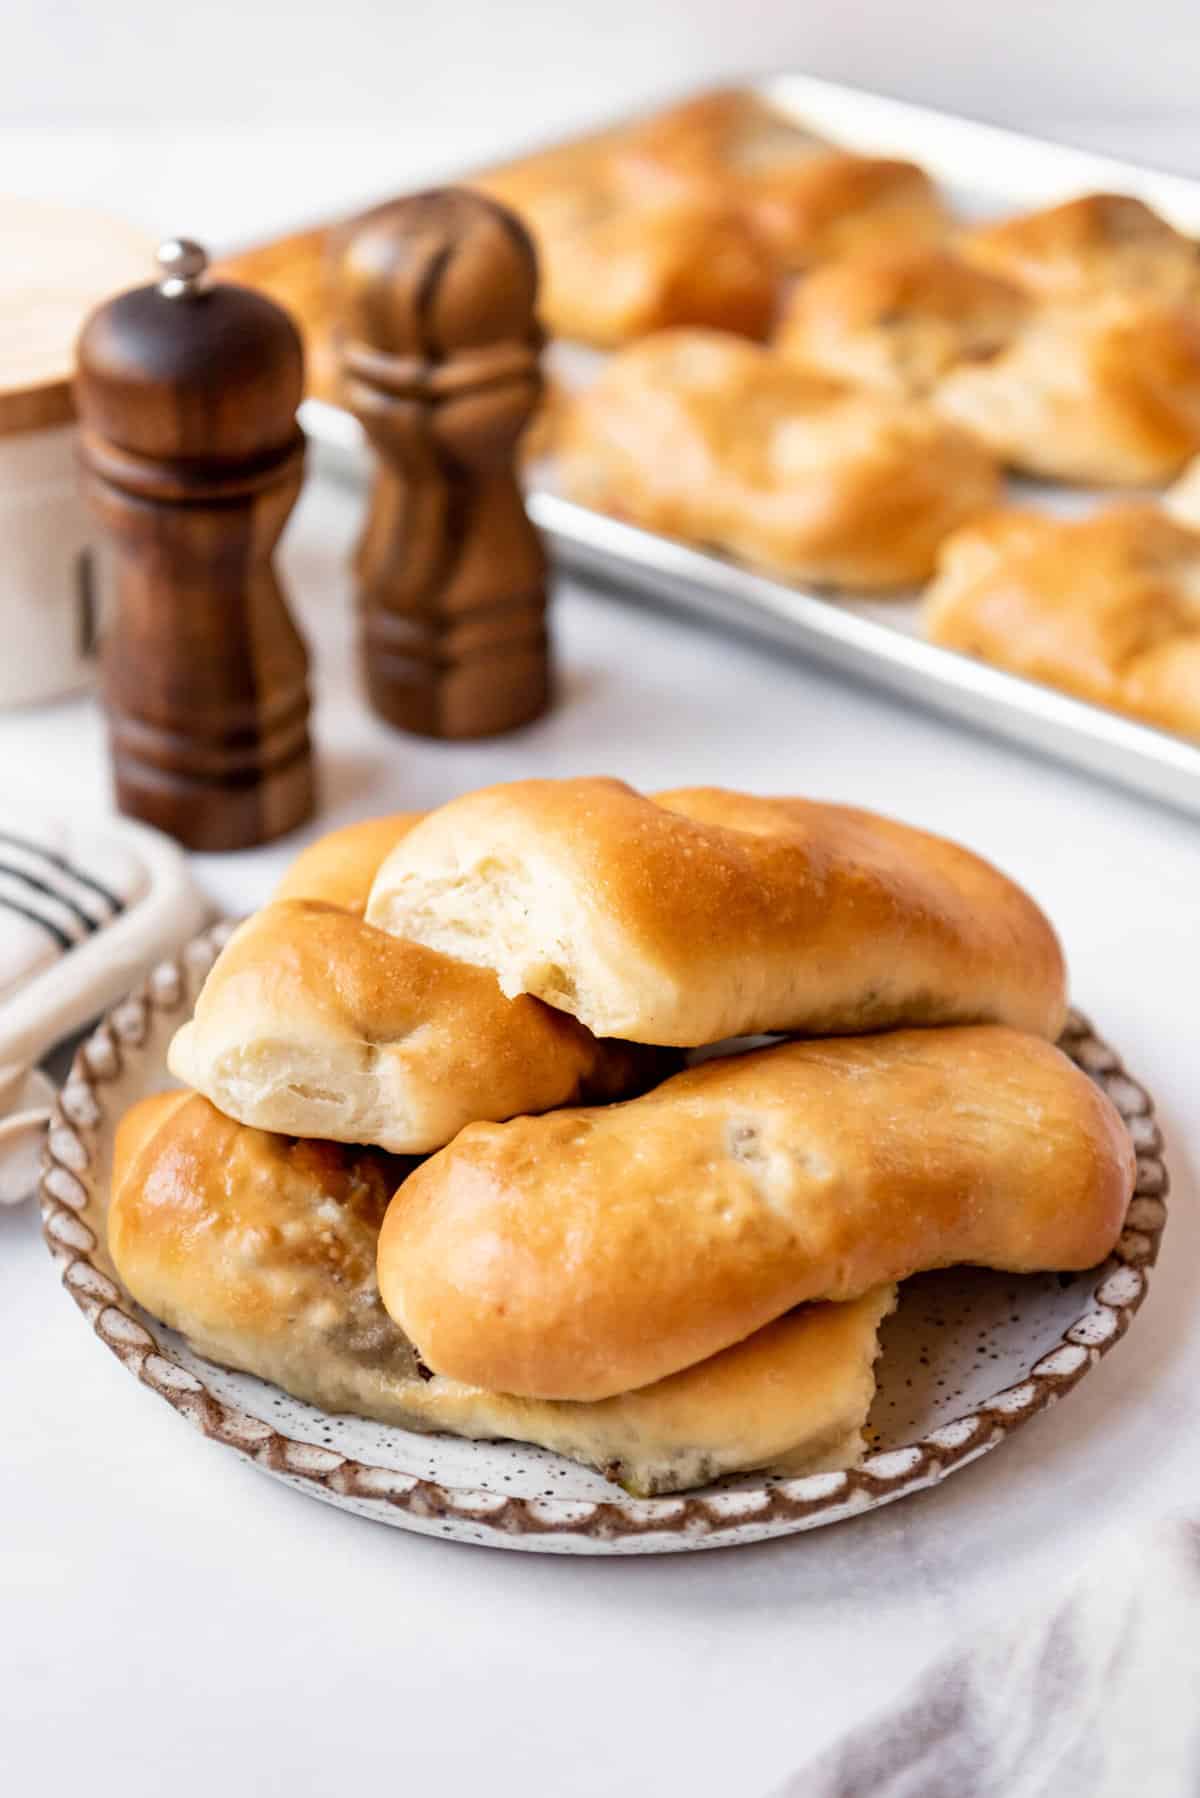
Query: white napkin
[1096, 1696]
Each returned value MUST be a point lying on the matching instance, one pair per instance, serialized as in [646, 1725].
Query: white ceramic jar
[57, 263]
[48, 625]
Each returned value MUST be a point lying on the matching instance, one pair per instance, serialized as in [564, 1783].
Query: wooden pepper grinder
[187, 395]
[439, 351]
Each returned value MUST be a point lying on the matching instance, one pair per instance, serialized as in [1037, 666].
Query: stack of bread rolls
[439, 1161]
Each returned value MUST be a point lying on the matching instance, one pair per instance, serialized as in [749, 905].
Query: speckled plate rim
[707, 1518]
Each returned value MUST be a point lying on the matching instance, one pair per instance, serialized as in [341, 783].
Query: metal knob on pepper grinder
[439, 352]
[187, 393]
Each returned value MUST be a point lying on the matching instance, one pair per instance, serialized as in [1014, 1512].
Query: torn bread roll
[314, 1023]
[592, 1252]
[707, 914]
[261, 1251]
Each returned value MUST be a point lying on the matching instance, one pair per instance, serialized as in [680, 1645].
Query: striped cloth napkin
[58, 886]
[1097, 1696]
[86, 905]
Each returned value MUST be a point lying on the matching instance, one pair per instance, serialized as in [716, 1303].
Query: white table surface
[172, 1622]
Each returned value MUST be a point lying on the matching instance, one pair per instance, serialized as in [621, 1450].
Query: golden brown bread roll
[1106, 607]
[592, 1252]
[708, 914]
[1090, 245]
[613, 269]
[314, 1023]
[899, 320]
[706, 437]
[261, 1250]
[1103, 389]
[809, 199]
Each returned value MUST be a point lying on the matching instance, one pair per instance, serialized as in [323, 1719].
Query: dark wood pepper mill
[439, 348]
[187, 395]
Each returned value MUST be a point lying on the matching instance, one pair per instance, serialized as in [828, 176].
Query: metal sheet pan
[987, 169]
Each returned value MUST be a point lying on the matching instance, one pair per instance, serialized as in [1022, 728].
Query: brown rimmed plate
[968, 1358]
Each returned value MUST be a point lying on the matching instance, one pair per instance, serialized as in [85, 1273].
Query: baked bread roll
[1104, 392]
[1090, 245]
[261, 1250]
[809, 199]
[593, 1252]
[1103, 389]
[707, 914]
[1106, 607]
[897, 321]
[313, 1023]
[708, 438]
[613, 269]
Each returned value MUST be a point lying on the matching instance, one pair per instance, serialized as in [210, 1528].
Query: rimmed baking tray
[985, 169]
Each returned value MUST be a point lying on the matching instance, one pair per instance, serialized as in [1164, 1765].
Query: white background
[172, 1624]
[229, 119]
[523, 64]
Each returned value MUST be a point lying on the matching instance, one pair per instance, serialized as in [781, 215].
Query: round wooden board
[63, 261]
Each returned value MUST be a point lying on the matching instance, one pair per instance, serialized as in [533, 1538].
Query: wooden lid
[212, 372]
[61, 261]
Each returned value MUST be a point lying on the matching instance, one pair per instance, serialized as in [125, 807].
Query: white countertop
[173, 1623]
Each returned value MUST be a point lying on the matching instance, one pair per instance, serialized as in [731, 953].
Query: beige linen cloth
[1097, 1696]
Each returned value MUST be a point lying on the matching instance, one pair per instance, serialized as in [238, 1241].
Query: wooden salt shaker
[187, 395]
[439, 351]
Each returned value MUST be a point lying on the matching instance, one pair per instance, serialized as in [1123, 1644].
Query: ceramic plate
[967, 1359]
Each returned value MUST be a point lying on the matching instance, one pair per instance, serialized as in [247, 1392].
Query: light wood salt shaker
[439, 353]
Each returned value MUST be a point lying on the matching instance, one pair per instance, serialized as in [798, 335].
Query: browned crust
[1103, 607]
[590, 1252]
